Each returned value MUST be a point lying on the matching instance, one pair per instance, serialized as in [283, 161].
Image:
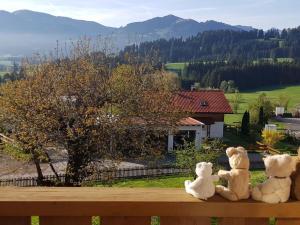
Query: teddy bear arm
[195, 183]
[223, 174]
[215, 178]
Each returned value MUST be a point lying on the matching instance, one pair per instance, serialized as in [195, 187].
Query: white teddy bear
[277, 187]
[203, 187]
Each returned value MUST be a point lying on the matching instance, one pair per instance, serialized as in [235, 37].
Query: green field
[273, 93]
[2, 73]
[174, 66]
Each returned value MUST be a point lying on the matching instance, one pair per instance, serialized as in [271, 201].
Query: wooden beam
[281, 221]
[166, 202]
[243, 221]
[123, 220]
[185, 221]
[47, 220]
[15, 220]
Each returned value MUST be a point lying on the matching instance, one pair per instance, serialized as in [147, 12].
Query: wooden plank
[47, 220]
[123, 220]
[185, 220]
[15, 220]
[244, 221]
[287, 221]
[85, 201]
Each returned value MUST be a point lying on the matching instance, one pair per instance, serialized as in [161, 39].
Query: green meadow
[272, 92]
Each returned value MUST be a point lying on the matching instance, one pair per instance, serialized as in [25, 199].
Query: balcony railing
[134, 206]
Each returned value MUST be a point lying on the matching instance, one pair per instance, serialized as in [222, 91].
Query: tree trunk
[78, 159]
[52, 167]
[40, 178]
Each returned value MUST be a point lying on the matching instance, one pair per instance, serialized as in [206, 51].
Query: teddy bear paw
[256, 194]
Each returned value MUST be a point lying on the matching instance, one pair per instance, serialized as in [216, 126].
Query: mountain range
[25, 32]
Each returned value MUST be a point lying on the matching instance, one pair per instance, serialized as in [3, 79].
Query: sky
[264, 14]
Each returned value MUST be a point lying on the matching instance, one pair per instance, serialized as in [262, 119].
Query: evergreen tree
[261, 118]
[245, 128]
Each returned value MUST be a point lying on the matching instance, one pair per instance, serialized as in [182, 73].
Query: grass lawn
[170, 181]
[273, 93]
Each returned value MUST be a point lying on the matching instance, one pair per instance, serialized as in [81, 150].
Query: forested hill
[224, 45]
[244, 75]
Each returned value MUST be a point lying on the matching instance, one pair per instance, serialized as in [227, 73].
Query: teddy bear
[203, 186]
[295, 188]
[238, 177]
[277, 187]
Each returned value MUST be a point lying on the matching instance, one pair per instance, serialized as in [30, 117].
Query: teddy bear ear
[230, 151]
[240, 148]
[199, 164]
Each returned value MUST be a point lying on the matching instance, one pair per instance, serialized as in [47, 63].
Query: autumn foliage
[92, 110]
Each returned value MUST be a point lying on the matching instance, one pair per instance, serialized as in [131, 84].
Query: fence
[102, 175]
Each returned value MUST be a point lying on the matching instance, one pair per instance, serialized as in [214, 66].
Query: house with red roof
[206, 110]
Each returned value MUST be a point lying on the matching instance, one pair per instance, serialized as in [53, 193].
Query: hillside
[225, 45]
[24, 32]
[272, 92]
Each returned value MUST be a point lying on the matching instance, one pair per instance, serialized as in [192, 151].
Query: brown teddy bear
[238, 177]
[295, 188]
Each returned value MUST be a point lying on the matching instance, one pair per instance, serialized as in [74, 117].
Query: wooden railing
[134, 206]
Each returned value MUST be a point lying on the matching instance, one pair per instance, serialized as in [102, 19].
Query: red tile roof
[189, 121]
[203, 101]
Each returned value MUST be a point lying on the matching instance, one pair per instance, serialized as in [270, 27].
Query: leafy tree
[91, 110]
[245, 127]
[224, 86]
[231, 87]
[261, 110]
[283, 101]
[188, 156]
[236, 101]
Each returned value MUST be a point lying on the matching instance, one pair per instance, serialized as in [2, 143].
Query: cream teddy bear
[203, 187]
[238, 177]
[277, 187]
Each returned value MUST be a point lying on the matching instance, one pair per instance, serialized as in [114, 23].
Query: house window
[203, 103]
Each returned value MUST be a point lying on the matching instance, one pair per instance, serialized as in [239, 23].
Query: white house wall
[217, 130]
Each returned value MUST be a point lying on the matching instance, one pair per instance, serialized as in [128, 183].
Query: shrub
[188, 156]
[287, 115]
[271, 137]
